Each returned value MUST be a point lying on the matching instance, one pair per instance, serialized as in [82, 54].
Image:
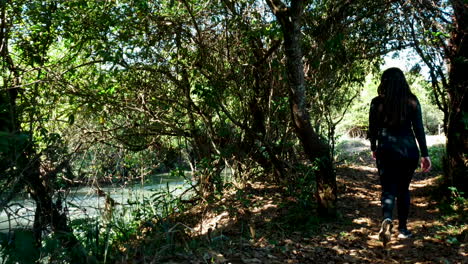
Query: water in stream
[84, 202]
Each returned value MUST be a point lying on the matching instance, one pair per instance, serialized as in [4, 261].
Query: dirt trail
[361, 204]
[351, 239]
[354, 239]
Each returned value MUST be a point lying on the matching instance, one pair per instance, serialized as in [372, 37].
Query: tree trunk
[316, 150]
[49, 214]
[26, 163]
[457, 138]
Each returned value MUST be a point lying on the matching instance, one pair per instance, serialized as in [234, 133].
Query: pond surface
[85, 202]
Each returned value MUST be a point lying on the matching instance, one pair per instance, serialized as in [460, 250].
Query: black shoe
[404, 233]
[385, 233]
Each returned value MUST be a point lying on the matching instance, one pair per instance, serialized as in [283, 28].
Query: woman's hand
[374, 155]
[426, 164]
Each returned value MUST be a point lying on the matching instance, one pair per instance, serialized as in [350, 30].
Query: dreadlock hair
[397, 97]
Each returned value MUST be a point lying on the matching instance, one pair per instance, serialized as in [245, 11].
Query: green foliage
[351, 150]
[300, 203]
[455, 216]
[52, 250]
[12, 143]
[18, 247]
[167, 201]
[303, 187]
[458, 201]
[93, 235]
[118, 165]
[432, 115]
[437, 154]
[122, 90]
[355, 121]
[299, 216]
[104, 236]
[338, 58]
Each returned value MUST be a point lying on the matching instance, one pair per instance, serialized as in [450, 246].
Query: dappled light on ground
[260, 224]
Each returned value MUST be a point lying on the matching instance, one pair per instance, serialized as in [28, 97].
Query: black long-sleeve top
[399, 140]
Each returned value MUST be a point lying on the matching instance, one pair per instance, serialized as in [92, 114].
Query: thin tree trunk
[48, 213]
[316, 150]
[28, 163]
[457, 136]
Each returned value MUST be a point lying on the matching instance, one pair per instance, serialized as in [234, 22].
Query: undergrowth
[108, 237]
[454, 209]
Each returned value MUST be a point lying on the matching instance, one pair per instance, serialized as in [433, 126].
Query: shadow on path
[249, 226]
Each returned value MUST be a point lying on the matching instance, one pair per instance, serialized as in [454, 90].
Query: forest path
[260, 212]
[360, 202]
[354, 239]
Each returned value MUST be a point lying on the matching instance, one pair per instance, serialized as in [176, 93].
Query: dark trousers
[395, 177]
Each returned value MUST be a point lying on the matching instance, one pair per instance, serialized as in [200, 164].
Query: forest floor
[257, 224]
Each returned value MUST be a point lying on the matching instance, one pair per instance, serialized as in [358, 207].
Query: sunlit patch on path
[255, 234]
[360, 203]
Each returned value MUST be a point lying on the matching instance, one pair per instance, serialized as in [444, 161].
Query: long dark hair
[397, 97]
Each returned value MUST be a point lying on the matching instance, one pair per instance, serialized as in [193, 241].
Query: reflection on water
[85, 202]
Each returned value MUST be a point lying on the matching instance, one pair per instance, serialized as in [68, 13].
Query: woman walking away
[394, 122]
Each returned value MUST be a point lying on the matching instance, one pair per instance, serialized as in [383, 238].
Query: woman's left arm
[418, 129]
[372, 131]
